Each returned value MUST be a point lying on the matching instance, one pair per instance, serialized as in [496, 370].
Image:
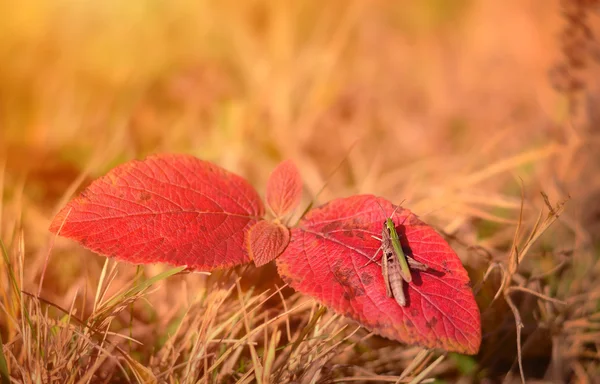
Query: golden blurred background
[456, 107]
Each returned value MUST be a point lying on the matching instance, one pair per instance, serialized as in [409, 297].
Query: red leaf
[325, 259]
[284, 188]
[266, 240]
[174, 209]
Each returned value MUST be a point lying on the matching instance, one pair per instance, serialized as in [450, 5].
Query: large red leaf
[326, 258]
[284, 188]
[174, 209]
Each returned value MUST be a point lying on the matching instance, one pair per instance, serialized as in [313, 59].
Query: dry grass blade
[39, 292]
[420, 377]
[4, 373]
[309, 328]
[513, 258]
[421, 357]
[284, 305]
[142, 373]
[104, 282]
[269, 356]
[504, 280]
[519, 325]
[534, 293]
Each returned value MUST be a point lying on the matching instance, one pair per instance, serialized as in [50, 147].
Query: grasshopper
[391, 270]
[395, 265]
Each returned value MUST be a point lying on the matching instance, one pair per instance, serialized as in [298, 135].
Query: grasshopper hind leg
[373, 259]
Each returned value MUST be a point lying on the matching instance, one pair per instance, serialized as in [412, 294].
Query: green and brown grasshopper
[395, 265]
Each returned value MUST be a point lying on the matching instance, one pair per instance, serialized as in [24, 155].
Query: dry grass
[479, 114]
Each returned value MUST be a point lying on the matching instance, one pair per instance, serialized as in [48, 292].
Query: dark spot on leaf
[359, 234]
[336, 264]
[409, 323]
[366, 278]
[433, 322]
[414, 312]
[333, 226]
[356, 223]
[349, 280]
[445, 265]
[144, 196]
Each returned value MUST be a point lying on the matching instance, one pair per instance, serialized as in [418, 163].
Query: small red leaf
[326, 258]
[266, 240]
[284, 188]
[173, 209]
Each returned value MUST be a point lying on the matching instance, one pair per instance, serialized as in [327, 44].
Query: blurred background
[463, 109]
